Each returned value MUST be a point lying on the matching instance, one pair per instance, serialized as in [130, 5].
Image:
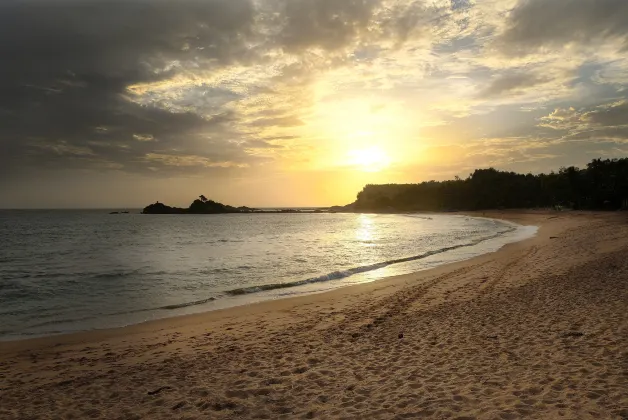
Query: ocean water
[66, 271]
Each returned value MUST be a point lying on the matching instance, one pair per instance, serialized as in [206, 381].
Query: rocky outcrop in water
[203, 205]
[161, 208]
[199, 206]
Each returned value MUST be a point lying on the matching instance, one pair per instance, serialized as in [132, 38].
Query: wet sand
[538, 329]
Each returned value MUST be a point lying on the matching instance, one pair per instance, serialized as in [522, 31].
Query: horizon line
[140, 208]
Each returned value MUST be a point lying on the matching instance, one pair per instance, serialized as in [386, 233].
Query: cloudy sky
[107, 103]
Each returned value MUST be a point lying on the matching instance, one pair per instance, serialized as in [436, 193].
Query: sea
[65, 271]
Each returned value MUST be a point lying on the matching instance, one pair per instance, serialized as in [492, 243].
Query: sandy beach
[538, 329]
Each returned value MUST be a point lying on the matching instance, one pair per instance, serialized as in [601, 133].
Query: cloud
[614, 72]
[562, 119]
[189, 160]
[124, 79]
[613, 114]
[143, 137]
[120, 40]
[67, 66]
[534, 25]
[327, 24]
[158, 86]
[288, 121]
[511, 84]
[262, 144]
[604, 123]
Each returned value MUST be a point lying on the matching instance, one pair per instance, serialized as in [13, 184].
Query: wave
[16, 275]
[337, 275]
[135, 311]
[61, 321]
[116, 274]
[186, 304]
[415, 216]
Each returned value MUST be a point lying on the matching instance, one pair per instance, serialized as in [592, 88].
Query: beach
[538, 329]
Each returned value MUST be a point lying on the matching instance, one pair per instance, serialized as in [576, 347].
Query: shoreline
[535, 330]
[109, 331]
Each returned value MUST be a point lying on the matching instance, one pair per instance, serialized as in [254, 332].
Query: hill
[602, 185]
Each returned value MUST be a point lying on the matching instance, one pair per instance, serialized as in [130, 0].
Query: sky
[120, 103]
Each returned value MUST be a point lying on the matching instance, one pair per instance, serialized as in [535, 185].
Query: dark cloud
[95, 127]
[329, 24]
[66, 66]
[403, 19]
[120, 41]
[535, 24]
[611, 115]
[511, 84]
[601, 134]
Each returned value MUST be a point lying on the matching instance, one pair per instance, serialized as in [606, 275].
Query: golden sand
[538, 329]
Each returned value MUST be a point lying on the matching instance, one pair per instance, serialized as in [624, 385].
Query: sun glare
[372, 159]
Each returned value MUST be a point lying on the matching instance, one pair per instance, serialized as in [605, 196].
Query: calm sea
[64, 271]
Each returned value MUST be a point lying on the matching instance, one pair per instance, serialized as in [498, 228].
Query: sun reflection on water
[365, 231]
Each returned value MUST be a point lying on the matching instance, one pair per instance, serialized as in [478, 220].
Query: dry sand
[536, 330]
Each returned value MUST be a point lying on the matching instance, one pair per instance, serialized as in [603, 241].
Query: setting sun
[372, 159]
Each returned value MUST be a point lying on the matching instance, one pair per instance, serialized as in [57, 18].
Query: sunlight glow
[372, 159]
[354, 120]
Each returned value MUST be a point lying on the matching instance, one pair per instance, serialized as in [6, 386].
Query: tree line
[602, 185]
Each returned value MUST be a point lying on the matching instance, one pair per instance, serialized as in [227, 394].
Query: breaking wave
[337, 275]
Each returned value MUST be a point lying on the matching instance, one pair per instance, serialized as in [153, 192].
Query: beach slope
[538, 329]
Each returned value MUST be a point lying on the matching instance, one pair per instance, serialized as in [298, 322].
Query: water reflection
[365, 231]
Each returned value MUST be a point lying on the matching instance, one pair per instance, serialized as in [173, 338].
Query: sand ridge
[536, 330]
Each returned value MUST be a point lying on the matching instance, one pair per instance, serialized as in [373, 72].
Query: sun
[372, 159]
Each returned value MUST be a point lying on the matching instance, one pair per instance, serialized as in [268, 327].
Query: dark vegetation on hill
[602, 185]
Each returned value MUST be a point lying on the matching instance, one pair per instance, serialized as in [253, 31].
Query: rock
[160, 208]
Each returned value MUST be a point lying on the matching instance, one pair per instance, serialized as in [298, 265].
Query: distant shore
[535, 330]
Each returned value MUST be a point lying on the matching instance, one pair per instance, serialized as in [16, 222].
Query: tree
[603, 185]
